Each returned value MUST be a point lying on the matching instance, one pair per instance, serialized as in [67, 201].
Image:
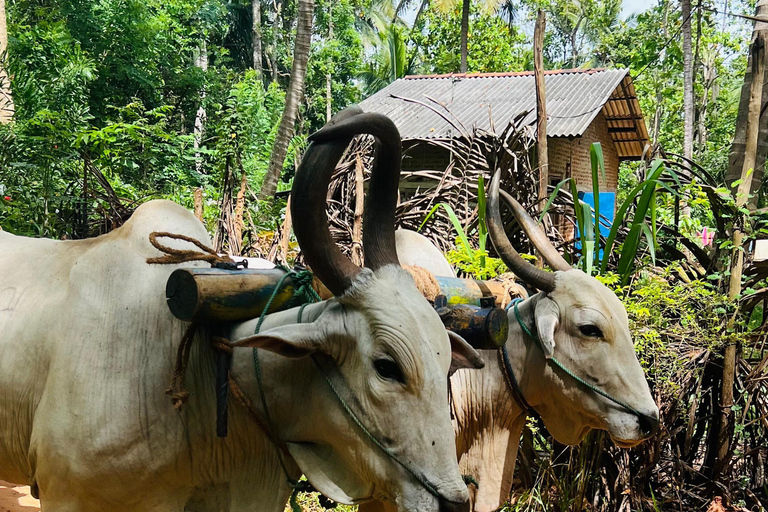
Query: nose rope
[557, 363]
[282, 448]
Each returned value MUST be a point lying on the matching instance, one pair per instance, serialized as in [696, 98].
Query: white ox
[87, 346]
[582, 323]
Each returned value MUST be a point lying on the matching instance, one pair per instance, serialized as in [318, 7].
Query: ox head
[584, 325]
[379, 340]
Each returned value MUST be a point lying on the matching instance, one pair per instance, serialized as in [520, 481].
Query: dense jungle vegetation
[116, 102]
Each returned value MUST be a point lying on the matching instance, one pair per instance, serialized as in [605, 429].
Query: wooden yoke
[217, 296]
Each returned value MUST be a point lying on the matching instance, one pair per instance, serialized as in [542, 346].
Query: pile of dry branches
[474, 153]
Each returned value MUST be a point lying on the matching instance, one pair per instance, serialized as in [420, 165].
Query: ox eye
[591, 331]
[389, 370]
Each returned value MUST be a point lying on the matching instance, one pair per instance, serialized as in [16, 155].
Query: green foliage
[389, 62]
[474, 263]
[667, 320]
[640, 202]
[492, 46]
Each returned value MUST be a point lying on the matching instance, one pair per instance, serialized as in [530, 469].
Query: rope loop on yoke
[174, 256]
[568, 372]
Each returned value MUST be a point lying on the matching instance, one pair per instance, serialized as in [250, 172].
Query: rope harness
[304, 294]
[514, 384]
[280, 445]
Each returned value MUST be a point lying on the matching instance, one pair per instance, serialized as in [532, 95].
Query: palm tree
[388, 63]
[293, 97]
[506, 8]
[256, 29]
[6, 103]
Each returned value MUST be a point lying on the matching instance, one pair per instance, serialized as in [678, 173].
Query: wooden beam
[630, 106]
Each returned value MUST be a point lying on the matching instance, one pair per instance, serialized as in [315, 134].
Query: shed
[583, 106]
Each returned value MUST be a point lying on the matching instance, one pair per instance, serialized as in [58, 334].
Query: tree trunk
[198, 201]
[6, 103]
[659, 86]
[687, 81]
[201, 61]
[329, 76]
[752, 131]
[292, 98]
[541, 107]
[738, 150]
[575, 44]
[256, 10]
[465, 6]
[276, 23]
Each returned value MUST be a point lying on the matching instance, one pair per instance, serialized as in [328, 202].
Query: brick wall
[563, 151]
[567, 157]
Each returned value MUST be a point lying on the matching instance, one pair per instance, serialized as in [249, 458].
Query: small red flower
[7, 198]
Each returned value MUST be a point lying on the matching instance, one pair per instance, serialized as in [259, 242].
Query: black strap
[509, 376]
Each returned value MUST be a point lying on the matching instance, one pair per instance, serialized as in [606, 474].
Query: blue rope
[575, 377]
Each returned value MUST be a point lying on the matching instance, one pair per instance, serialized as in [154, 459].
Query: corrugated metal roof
[574, 98]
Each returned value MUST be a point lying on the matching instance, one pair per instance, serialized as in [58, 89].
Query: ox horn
[529, 273]
[310, 189]
[379, 218]
[537, 237]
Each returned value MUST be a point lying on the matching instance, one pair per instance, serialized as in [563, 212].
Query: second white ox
[87, 345]
[578, 320]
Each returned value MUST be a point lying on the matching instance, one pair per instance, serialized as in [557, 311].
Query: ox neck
[525, 357]
[284, 383]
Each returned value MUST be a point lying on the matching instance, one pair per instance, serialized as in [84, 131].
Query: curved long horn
[381, 202]
[532, 275]
[534, 233]
[310, 189]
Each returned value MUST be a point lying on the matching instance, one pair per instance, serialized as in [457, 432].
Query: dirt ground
[15, 498]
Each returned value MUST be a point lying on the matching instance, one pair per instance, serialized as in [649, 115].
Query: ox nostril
[454, 506]
[649, 425]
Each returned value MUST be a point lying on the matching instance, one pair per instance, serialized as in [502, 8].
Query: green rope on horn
[568, 372]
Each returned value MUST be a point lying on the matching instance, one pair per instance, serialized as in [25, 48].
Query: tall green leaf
[482, 228]
[552, 197]
[456, 225]
[647, 188]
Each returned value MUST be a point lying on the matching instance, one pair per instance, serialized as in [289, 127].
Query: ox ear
[296, 340]
[463, 355]
[547, 319]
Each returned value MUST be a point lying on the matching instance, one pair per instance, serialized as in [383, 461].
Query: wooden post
[285, 236]
[357, 227]
[757, 51]
[236, 245]
[541, 107]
